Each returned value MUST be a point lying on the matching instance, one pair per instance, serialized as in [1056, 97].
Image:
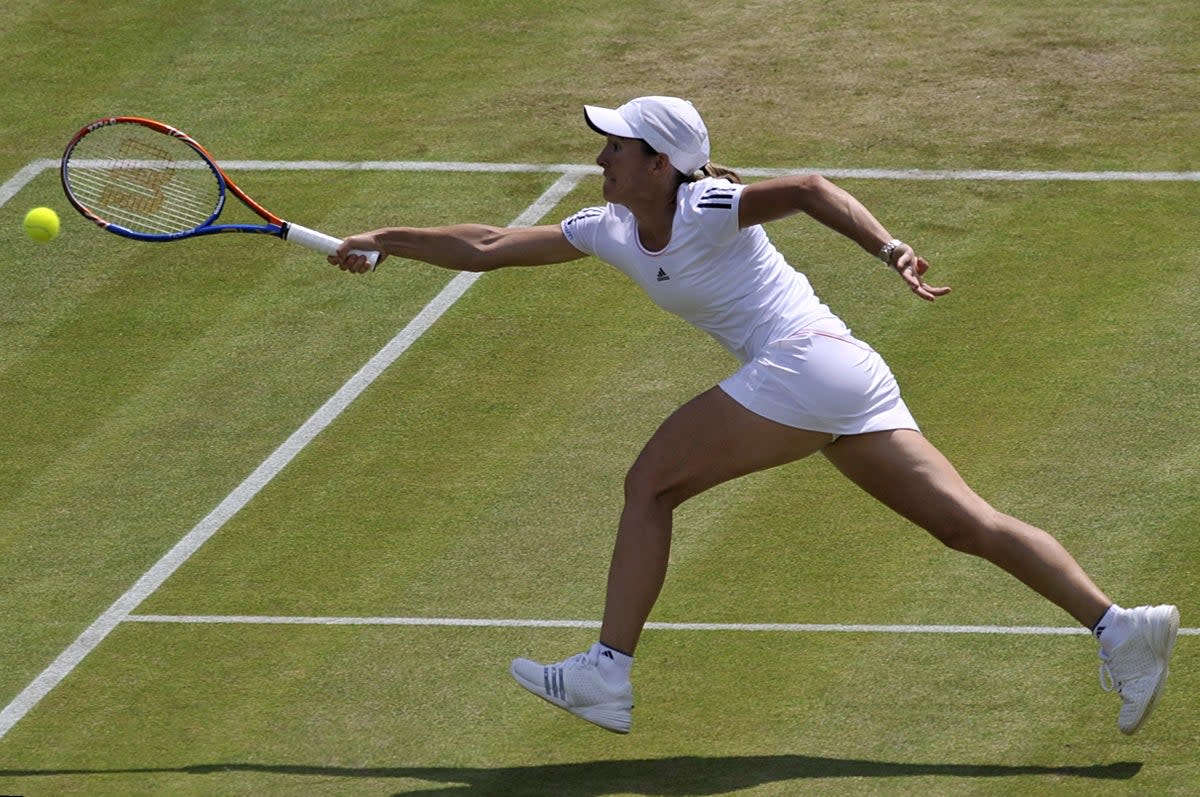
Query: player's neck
[654, 224]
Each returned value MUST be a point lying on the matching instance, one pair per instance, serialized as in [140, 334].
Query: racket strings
[143, 180]
[128, 203]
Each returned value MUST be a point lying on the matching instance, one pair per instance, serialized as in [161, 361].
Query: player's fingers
[929, 293]
[347, 262]
[353, 242]
[909, 273]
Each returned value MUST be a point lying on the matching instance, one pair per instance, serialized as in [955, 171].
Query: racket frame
[275, 225]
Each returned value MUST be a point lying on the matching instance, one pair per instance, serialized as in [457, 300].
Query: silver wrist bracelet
[885, 254]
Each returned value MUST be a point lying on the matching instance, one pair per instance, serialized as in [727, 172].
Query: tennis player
[690, 234]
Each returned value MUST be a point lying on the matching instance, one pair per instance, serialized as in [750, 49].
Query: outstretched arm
[461, 247]
[837, 209]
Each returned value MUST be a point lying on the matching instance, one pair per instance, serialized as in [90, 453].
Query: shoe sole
[609, 716]
[1163, 631]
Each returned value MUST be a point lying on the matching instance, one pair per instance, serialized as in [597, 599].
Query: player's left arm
[837, 209]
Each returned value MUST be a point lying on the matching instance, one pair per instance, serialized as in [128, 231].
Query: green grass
[480, 476]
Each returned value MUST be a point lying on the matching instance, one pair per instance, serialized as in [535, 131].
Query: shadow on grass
[657, 777]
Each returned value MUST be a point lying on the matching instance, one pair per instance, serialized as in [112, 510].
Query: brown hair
[716, 170]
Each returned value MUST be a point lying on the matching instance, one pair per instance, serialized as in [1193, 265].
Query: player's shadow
[655, 777]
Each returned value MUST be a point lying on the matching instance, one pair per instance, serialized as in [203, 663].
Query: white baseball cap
[668, 124]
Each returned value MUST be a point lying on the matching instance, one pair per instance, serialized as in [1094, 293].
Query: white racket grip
[325, 244]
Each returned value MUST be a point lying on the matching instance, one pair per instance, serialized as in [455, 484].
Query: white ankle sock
[1112, 629]
[614, 665]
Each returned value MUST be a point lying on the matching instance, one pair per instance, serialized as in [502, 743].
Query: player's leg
[709, 440]
[906, 472]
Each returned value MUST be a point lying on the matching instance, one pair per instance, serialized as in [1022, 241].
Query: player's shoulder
[711, 205]
[585, 215]
[711, 194]
[584, 227]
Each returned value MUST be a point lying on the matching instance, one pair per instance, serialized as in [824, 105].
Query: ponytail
[715, 170]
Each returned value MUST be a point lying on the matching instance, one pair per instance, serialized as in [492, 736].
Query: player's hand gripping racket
[150, 182]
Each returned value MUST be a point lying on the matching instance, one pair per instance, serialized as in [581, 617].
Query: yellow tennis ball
[41, 224]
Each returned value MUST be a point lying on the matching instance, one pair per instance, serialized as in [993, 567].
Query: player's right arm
[461, 247]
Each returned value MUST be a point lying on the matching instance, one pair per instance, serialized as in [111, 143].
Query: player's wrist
[890, 251]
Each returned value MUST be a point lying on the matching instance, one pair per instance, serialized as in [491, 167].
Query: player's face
[626, 169]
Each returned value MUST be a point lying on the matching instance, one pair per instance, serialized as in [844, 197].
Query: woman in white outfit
[691, 236]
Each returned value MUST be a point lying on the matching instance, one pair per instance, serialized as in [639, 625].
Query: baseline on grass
[500, 622]
[151, 182]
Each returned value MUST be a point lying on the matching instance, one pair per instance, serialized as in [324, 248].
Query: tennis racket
[148, 181]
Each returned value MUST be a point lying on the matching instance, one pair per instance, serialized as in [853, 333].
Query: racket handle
[325, 244]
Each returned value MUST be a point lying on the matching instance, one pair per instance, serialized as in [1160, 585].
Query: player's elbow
[811, 186]
[483, 258]
[479, 248]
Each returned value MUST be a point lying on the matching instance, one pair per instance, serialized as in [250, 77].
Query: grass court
[344, 621]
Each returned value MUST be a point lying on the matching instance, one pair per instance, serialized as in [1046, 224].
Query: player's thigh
[710, 440]
[907, 473]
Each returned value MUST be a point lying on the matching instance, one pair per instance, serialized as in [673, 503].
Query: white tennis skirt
[822, 379]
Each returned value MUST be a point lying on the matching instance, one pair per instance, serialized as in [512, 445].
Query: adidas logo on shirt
[662, 276]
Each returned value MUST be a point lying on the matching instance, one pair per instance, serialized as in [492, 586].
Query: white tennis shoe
[577, 686]
[1137, 669]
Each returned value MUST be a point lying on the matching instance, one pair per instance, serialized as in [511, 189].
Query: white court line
[34, 168]
[462, 622]
[145, 586]
[574, 168]
[866, 174]
[22, 178]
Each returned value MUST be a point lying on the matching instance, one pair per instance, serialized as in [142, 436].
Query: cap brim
[606, 121]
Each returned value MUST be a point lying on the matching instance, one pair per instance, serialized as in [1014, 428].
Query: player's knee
[646, 484]
[972, 530]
